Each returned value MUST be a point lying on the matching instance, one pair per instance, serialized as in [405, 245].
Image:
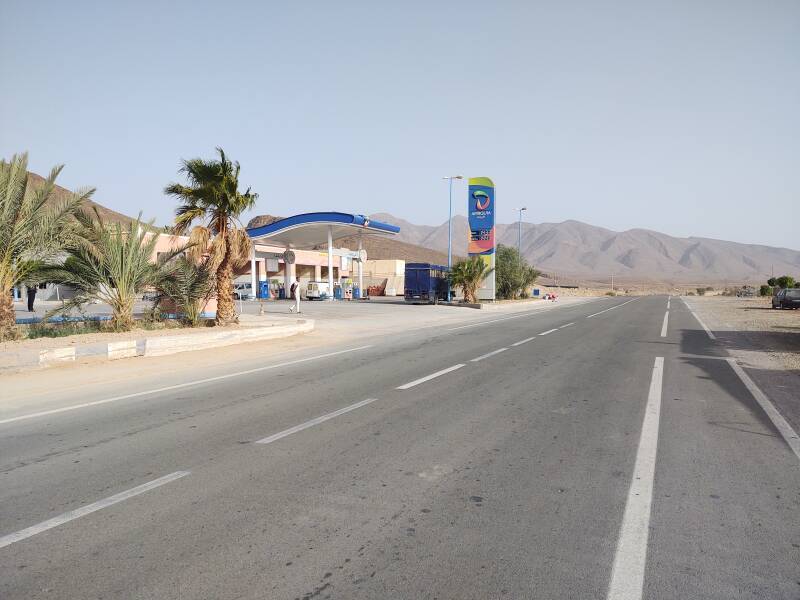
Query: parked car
[243, 291]
[787, 298]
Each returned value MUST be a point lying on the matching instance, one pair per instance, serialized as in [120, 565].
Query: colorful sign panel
[481, 211]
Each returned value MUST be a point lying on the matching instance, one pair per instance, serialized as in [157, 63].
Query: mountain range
[572, 249]
[578, 250]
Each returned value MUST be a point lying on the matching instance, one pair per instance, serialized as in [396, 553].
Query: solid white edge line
[315, 421]
[664, 325]
[71, 515]
[627, 576]
[789, 434]
[699, 320]
[178, 386]
[612, 308]
[549, 331]
[567, 325]
[487, 355]
[525, 341]
[411, 384]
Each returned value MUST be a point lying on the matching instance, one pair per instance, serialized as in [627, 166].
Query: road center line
[664, 325]
[627, 576]
[549, 331]
[71, 515]
[612, 308]
[492, 321]
[789, 434]
[315, 421]
[429, 377]
[567, 325]
[525, 341]
[492, 353]
[178, 386]
[699, 320]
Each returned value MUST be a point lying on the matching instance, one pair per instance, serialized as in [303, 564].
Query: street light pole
[450, 230]
[519, 231]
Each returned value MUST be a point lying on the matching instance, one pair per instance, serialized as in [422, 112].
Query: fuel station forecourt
[293, 240]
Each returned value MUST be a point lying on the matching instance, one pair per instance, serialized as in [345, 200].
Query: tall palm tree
[33, 229]
[110, 264]
[212, 197]
[468, 275]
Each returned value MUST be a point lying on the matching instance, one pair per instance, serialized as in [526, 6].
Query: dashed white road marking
[567, 325]
[525, 341]
[627, 576]
[789, 434]
[699, 320]
[71, 515]
[315, 421]
[491, 321]
[178, 386]
[411, 384]
[549, 331]
[612, 308]
[488, 354]
[664, 325]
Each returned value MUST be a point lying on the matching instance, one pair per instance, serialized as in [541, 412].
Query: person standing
[294, 291]
[31, 297]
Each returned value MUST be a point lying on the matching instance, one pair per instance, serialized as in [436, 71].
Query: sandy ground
[751, 327]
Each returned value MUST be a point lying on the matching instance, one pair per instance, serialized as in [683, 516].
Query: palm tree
[468, 275]
[188, 284]
[33, 228]
[110, 264]
[213, 198]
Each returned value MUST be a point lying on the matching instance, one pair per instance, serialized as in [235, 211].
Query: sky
[677, 116]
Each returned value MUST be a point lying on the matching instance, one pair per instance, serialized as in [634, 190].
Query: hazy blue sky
[683, 117]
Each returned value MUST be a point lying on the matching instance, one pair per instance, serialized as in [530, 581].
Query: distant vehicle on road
[425, 283]
[787, 298]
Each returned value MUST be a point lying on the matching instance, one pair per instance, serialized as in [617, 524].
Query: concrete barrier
[56, 355]
[161, 346]
[125, 349]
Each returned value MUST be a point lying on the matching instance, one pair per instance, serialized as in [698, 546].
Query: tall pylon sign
[481, 210]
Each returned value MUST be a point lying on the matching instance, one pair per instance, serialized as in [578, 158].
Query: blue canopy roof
[311, 229]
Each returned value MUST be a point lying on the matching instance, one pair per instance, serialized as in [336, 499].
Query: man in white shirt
[294, 292]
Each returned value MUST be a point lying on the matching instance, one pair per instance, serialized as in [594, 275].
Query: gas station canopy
[313, 229]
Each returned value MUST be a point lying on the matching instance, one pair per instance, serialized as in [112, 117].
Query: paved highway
[600, 450]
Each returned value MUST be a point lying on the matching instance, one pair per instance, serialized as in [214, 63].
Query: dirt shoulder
[750, 325]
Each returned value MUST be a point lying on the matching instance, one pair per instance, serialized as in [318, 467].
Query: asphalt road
[569, 453]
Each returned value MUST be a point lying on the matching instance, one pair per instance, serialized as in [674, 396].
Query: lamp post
[450, 231]
[519, 231]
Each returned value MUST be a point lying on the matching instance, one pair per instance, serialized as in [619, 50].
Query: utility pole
[519, 231]
[450, 231]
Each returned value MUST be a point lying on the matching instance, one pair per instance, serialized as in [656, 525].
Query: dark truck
[787, 298]
[425, 283]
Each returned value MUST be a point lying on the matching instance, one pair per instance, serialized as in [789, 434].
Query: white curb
[57, 355]
[125, 349]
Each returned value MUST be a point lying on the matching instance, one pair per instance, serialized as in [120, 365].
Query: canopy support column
[360, 268]
[330, 262]
[287, 277]
[253, 279]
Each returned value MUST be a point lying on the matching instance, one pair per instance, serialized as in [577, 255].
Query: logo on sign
[481, 199]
